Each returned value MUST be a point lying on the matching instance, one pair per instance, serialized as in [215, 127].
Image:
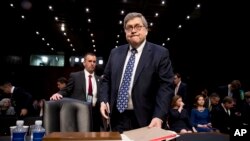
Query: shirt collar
[87, 73]
[12, 89]
[140, 48]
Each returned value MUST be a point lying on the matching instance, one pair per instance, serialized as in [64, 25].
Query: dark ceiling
[20, 33]
[212, 26]
[211, 45]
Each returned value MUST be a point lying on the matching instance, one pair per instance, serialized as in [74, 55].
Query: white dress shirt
[137, 58]
[94, 86]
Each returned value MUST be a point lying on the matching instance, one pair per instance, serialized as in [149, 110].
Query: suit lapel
[83, 83]
[145, 58]
[97, 83]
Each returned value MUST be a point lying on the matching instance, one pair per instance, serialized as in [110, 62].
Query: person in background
[21, 100]
[223, 116]
[180, 87]
[61, 83]
[178, 119]
[245, 111]
[137, 84]
[6, 108]
[38, 107]
[200, 116]
[213, 101]
[233, 89]
[84, 85]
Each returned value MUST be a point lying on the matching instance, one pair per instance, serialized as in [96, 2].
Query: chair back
[67, 115]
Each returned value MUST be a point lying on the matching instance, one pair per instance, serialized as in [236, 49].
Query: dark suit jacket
[152, 88]
[221, 120]
[182, 91]
[21, 99]
[76, 86]
[223, 92]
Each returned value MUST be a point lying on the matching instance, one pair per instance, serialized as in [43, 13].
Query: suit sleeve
[165, 90]
[105, 82]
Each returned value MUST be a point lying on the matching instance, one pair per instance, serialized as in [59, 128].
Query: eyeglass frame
[137, 27]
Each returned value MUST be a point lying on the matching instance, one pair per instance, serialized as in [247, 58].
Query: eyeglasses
[136, 28]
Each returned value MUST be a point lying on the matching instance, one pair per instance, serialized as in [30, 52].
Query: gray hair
[4, 100]
[133, 15]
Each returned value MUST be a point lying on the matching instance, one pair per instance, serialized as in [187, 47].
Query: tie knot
[90, 76]
[133, 51]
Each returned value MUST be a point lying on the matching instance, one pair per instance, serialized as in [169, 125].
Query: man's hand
[104, 109]
[24, 112]
[155, 122]
[56, 96]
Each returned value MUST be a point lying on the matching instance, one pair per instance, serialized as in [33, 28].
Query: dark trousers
[97, 118]
[123, 121]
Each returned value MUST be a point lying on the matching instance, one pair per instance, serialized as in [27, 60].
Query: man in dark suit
[223, 116]
[180, 88]
[150, 87]
[21, 99]
[232, 89]
[78, 88]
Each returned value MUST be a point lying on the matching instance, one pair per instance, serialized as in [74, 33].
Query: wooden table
[83, 136]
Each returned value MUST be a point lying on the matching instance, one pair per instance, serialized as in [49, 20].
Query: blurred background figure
[178, 119]
[61, 83]
[180, 88]
[223, 117]
[38, 107]
[6, 108]
[21, 100]
[245, 110]
[233, 89]
[200, 115]
[213, 101]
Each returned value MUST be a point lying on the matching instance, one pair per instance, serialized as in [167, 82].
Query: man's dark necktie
[122, 100]
[90, 89]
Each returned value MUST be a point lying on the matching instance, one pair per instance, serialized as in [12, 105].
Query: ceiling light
[163, 2]
[122, 12]
[156, 14]
[12, 5]
[50, 8]
[87, 10]
[198, 6]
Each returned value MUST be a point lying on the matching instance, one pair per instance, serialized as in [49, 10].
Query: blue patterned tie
[122, 101]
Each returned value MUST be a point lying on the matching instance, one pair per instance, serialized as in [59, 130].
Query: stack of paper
[148, 134]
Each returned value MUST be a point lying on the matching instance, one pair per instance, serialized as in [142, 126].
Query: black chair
[67, 115]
